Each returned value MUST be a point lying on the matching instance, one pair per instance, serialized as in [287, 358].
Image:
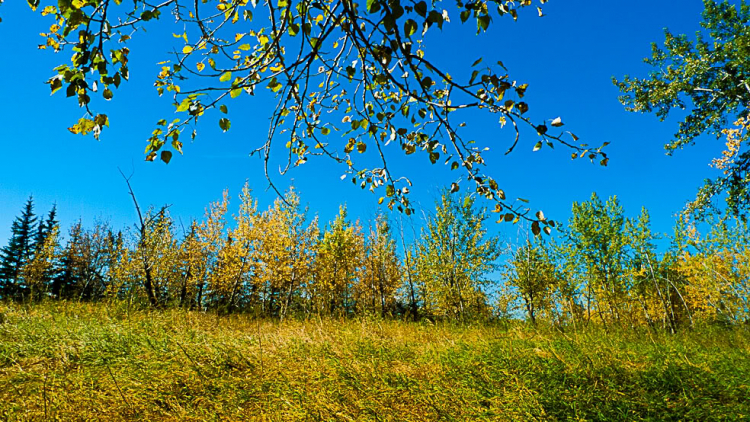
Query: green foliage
[335, 67]
[708, 76]
[598, 241]
[532, 272]
[454, 257]
[18, 252]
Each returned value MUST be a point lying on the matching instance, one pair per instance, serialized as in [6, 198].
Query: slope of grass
[98, 362]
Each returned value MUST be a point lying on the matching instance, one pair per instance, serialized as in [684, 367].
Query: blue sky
[568, 57]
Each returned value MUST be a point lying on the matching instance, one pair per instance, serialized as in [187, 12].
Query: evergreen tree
[66, 274]
[17, 253]
[45, 227]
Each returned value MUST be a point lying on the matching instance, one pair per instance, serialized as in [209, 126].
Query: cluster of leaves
[711, 76]
[346, 76]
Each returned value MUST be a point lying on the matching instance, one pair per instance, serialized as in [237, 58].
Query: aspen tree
[381, 270]
[455, 255]
[287, 252]
[337, 264]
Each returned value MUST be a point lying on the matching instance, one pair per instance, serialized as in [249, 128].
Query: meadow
[78, 361]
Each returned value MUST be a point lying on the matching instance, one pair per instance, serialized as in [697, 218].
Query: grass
[97, 362]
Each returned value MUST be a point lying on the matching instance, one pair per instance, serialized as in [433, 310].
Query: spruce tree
[17, 253]
[45, 227]
[67, 271]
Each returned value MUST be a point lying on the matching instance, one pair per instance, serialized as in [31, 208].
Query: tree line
[601, 267]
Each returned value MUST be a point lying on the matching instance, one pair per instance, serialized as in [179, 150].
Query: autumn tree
[192, 268]
[48, 227]
[161, 246]
[455, 255]
[234, 277]
[210, 241]
[381, 270]
[287, 253]
[346, 78]
[716, 266]
[708, 75]
[39, 271]
[338, 260]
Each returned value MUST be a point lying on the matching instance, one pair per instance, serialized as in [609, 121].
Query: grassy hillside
[94, 362]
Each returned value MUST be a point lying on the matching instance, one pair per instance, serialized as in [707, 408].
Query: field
[104, 362]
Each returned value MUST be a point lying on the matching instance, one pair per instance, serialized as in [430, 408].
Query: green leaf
[223, 108]
[225, 77]
[483, 22]
[410, 27]
[224, 124]
[55, 84]
[166, 156]
[373, 6]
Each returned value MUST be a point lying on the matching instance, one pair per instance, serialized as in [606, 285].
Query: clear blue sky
[568, 58]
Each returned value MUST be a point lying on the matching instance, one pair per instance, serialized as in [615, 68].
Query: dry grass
[98, 362]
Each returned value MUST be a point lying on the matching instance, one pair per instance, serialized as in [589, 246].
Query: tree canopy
[347, 78]
[709, 76]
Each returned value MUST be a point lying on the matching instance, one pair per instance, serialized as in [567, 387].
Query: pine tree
[67, 275]
[19, 251]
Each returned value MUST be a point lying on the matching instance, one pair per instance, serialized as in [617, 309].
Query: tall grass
[68, 361]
